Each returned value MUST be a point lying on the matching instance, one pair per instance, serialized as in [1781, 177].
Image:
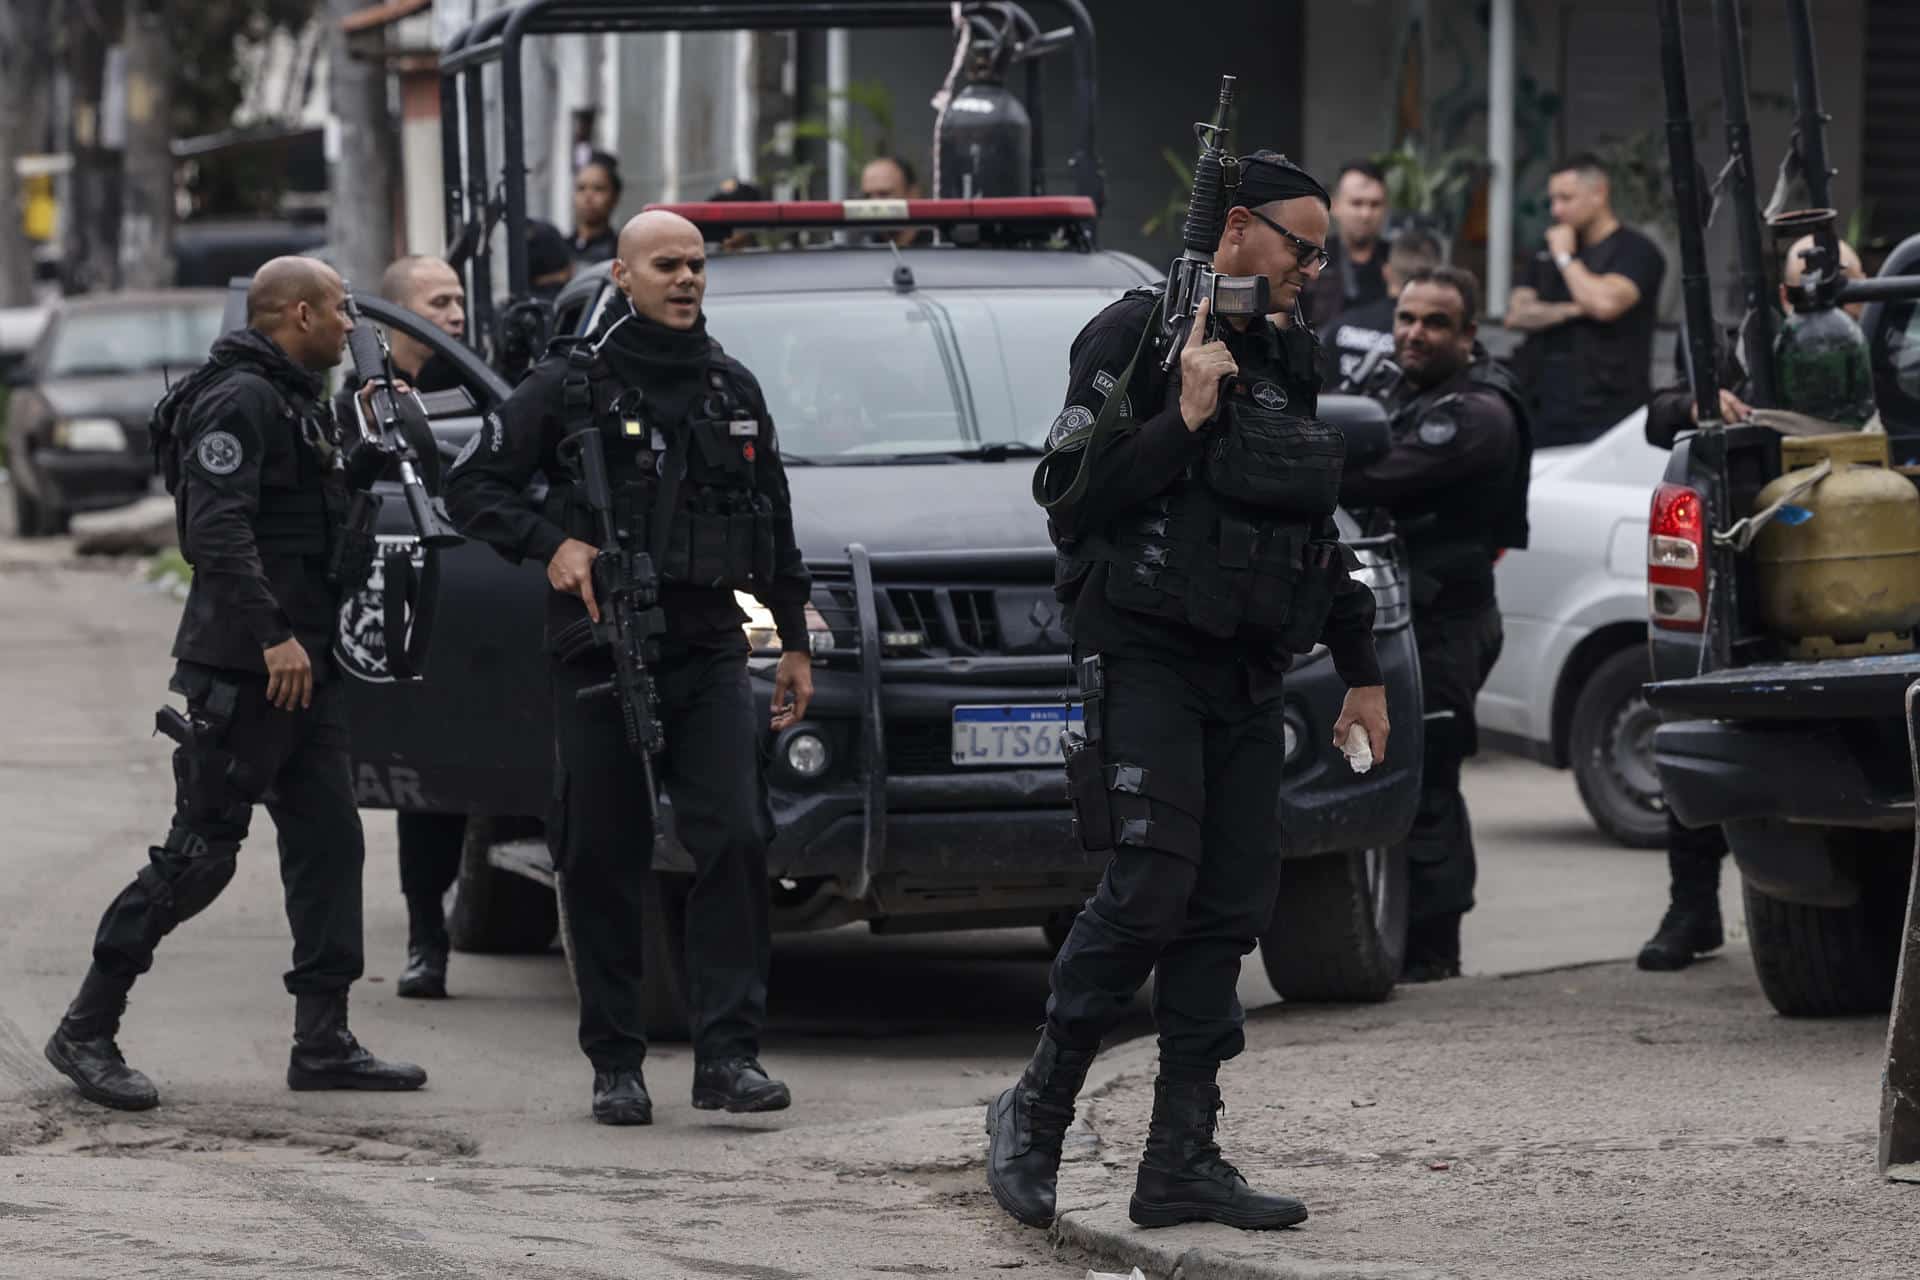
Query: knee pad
[186, 874]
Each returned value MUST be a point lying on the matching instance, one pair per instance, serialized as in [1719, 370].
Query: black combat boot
[620, 1097]
[1025, 1127]
[425, 977]
[1433, 950]
[326, 1056]
[81, 1048]
[1687, 931]
[737, 1085]
[1182, 1175]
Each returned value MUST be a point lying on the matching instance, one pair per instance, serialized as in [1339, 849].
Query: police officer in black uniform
[1691, 926]
[694, 465]
[1197, 555]
[1455, 486]
[253, 458]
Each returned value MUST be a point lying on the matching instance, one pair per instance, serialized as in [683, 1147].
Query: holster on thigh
[1122, 802]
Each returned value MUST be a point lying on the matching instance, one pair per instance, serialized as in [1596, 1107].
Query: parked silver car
[1566, 691]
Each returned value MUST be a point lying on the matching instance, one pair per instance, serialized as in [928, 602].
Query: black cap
[547, 250]
[1267, 176]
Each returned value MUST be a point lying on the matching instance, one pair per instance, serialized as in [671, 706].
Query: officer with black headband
[1193, 570]
[696, 477]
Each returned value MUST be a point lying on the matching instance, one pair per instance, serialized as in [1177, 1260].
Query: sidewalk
[1586, 1122]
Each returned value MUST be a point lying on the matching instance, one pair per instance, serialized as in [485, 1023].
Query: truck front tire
[1339, 930]
[495, 911]
[1827, 962]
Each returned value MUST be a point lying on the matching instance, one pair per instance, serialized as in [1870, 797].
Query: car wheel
[496, 911]
[1829, 962]
[1339, 930]
[1611, 744]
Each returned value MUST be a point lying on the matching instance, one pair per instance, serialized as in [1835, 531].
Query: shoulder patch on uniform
[219, 453]
[467, 450]
[1437, 429]
[1104, 383]
[1073, 419]
[496, 433]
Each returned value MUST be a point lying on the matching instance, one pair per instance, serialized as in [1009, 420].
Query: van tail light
[1677, 559]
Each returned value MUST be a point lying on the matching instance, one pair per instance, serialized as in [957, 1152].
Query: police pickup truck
[1804, 763]
[912, 388]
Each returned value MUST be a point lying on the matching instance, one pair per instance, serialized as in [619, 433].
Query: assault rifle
[628, 592]
[1191, 279]
[390, 427]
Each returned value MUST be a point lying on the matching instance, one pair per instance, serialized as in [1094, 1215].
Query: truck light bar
[1051, 210]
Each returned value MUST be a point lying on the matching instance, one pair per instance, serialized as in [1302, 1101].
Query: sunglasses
[1311, 255]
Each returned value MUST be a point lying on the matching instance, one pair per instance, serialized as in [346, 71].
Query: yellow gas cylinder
[1840, 577]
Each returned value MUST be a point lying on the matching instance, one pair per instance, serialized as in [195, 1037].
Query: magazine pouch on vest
[1275, 461]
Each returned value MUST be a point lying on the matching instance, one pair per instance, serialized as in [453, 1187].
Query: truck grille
[945, 621]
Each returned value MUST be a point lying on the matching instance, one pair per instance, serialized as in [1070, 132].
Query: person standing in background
[1355, 275]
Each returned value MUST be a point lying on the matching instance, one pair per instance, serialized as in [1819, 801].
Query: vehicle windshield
[852, 377]
[133, 339]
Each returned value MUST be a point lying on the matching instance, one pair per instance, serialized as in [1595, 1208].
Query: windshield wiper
[999, 451]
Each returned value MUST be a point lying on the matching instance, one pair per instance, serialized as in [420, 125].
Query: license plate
[1015, 735]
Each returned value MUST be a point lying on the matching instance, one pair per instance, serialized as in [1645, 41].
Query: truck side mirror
[1364, 424]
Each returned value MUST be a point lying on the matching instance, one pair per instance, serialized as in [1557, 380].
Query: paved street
[890, 1043]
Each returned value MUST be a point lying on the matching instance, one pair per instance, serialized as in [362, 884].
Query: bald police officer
[693, 464]
[254, 461]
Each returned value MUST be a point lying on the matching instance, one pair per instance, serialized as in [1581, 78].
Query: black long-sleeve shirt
[486, 495]
[1135, 467]
[260, 501]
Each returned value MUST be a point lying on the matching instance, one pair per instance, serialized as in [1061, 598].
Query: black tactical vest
[685, 488]
[303, 496]
[1231, 543]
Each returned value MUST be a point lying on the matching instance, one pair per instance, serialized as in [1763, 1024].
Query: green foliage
[1174, 211]
[868, 133]
[1435, 186]
[170, 568]
[1641, 178]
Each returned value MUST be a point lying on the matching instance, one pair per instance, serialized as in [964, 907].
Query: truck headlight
[764, 637]
[807, 754]
[89, 435]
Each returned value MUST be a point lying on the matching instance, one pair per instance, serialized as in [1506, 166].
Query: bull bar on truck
[472, 208]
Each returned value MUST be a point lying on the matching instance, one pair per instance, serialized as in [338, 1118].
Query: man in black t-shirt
[1587, 306]
[1357, 251]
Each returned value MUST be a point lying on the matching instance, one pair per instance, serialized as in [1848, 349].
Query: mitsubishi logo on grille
[1042, 616]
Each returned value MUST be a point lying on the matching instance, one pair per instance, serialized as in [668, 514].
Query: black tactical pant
[602, 837]
[430, 845]
[1457, 650]
[297, 763]
[1694, 855]
[1191, 789]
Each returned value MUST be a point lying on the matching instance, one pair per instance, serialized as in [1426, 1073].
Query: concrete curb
[1206, 1251]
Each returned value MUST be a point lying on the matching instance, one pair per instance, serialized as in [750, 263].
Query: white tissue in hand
[1358, 749]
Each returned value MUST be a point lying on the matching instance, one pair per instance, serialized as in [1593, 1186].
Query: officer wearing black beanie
[1197, 556]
